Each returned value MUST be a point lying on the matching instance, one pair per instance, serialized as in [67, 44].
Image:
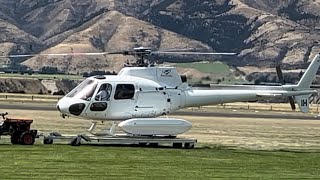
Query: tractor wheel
[15, 139]
[27, 138]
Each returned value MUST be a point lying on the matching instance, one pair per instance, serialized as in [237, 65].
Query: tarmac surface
[217, 113]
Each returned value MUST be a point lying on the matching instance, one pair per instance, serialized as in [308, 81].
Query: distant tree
[274, 79]
[23, 68]
[60, 92]
[30, 47]
[237, 74]
[49, 70]
[300, 74]
[206, 78]
[95, 73]
[85, 74]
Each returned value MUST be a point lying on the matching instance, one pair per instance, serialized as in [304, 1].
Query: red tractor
[18, 129]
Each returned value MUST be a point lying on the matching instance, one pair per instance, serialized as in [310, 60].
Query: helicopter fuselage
[134, 92]
[146, 92]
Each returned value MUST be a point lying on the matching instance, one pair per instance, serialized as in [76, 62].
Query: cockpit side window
[79, 87]
[104, 92]
[85, 90]
[124, 91]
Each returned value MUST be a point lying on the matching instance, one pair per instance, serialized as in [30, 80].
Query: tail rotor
[282, 81]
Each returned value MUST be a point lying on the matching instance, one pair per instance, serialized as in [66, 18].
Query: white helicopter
[138, 96]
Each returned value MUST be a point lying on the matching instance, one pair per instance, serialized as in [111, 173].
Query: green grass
[101, 162]
[210, 67]
[216, 71]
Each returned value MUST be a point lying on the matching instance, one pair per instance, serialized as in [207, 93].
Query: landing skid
[121, 139]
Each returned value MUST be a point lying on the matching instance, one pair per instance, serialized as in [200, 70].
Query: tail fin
[310, 74]
[303, 102]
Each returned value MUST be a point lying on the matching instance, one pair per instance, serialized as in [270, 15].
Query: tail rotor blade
[281, 79]
[280, 75]
[292, 104]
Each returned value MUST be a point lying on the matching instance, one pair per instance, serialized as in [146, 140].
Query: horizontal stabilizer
[285, 93]
[269, 94]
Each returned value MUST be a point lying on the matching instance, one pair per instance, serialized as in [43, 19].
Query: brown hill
[262, 38]
[264, 32]
[112, 31]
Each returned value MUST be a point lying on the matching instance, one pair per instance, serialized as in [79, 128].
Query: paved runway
[243, 114]
[225, 113]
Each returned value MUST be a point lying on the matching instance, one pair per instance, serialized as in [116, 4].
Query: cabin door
[98, 108]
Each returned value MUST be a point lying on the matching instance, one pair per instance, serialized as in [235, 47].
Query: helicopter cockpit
[95, 95]
[87, 89]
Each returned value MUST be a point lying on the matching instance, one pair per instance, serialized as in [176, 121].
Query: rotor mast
[140, 54]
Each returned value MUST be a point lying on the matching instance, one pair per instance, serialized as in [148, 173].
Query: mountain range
[263, 32]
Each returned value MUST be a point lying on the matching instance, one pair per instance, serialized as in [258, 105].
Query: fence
[29, 97]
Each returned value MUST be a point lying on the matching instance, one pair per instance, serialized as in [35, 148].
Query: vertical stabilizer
[303, 102]
[310, 74]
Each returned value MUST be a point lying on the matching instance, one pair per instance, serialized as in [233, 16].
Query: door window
[98, 106]
[124, 91]
[104, 92]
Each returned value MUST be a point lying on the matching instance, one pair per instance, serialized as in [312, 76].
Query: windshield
[84, 90]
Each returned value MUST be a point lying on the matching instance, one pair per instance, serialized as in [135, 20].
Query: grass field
[228, 148]
[98, 162]
[210, 67]
[216, 71]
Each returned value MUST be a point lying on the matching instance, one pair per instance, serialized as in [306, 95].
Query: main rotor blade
[18, 55]
[280, 75]
[136, 51]
[178, 50]
[192, 53]
[75, 54]
[54, 54]
[292, 104]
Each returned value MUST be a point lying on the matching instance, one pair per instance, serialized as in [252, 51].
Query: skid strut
[110, 132]
[92, 127]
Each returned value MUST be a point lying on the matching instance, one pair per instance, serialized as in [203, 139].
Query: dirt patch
[250, 133]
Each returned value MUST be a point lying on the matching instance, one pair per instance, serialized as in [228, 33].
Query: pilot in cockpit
[103, 94]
